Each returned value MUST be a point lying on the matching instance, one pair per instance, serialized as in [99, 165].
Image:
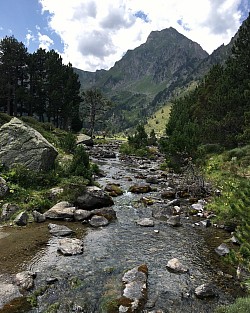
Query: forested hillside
[217, 112]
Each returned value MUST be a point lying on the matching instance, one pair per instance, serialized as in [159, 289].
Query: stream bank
[92, 281]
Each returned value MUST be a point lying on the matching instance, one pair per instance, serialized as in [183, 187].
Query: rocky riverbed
[161, 221]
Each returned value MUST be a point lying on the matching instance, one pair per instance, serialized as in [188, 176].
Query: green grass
[159, 120]
[241, 305]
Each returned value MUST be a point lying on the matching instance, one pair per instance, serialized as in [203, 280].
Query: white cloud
[45, 42]
[29, 37]
[97, 33]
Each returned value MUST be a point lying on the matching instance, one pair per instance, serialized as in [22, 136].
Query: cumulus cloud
[45, 42]
[29, 37]
[97, 33]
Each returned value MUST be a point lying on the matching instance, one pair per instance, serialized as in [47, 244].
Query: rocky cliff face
[149, 75]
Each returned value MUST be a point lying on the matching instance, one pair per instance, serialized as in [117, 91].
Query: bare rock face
[21, 144]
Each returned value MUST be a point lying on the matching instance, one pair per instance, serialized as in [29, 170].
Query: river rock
[205, 291]
[25, 280]
[163, 213]
[169, 193]
[114, 190]
[38, 217]
[135, 289]
[146, 222]
[61, 210]
[222, 249]
[8, 210]
[140, 188]
[175, 266]
[3, 187]
[174, 220]
[80, 215]
[23, 145]
[98, 221]
[152, 180]
[70, 246]
[21, 219]
[94, 198]
[59, 230]
[8, 292]
[108, 213]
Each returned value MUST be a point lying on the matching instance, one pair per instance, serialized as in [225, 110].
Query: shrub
[241, 305]
[80, 165]
[4, 118]
[209, 148]
[68, 143]
[27, 178]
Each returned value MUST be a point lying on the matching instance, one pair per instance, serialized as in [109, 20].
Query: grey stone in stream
[8, 210]
[108, 213]
[174, 221]
[175, 266]
[70, 246]
[146, 222]
[94, 198]
[61, 210]
[169, 193]
[8, 292]
[80, 215]
[163, 213]
[135, 289]
[114, 190]
[23, 145]
[205, 223]
[3, 187]
[38, 217]
[98, 221]
[140, 188]
[205, 291]
[25, 280]
[222, 249]
[152, 180]
[21, 219]
[59, 230]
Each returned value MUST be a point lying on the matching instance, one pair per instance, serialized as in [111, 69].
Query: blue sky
[94, 34]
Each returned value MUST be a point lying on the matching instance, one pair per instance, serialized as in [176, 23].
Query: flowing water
[90, 281]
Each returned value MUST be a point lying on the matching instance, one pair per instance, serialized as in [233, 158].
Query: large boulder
[94, 198]
[8, 209]
[21, 144]
[60, 211]
[85, 140]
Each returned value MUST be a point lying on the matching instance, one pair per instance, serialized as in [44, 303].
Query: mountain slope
[148, 76]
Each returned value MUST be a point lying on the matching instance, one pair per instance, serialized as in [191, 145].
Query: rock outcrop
[21, 144]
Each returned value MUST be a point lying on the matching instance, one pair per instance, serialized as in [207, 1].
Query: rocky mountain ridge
[151, 74]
